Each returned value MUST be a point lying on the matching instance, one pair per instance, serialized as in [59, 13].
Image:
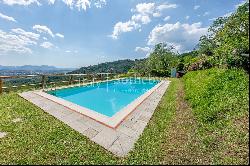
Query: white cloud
[47, 45]
[45, 38]
[143, 14]
[166, 6]
[145, 50]
[121, 27]
[20, 2]
[79, 4]
[8, 18]
[182, 36]
[187, 17]
[196, 7]
[160, 8]
[152, 9]
[60, 35]
[157, 14]
[43, 29]
[68, 51]
[145, 8]
[144, 19]
[51, 1]
[142, 49]
[100, 3]
[22, 32]
[82, 4]
[69, 3]
[167, 18]
[71, 51]
[17, 41]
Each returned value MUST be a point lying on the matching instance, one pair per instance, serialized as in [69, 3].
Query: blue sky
[75, 33]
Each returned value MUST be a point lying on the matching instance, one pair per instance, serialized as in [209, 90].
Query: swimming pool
[108, 102]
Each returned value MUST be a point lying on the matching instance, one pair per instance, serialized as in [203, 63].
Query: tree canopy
[225, 45]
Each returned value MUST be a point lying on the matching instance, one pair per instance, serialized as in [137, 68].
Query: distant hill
[120, 66]
[33, 68]
[29, 69]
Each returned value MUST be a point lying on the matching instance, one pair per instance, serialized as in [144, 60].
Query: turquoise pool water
[108, 97]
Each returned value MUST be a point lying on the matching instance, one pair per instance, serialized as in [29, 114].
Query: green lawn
[201, 119]
[220, 103]
[41, 139]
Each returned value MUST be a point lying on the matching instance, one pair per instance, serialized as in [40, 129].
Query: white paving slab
[119, 140]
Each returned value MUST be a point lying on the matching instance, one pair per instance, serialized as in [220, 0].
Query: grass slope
[182, 147]
[148, 149]
[212, 129]
[219, 99]
[41, 139]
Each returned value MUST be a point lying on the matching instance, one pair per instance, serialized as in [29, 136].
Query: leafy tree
[140, 68]
[227, 40]
[180, 66]
[120, 66]
[161, 60]
[206, 45]
[233, 39]
[217, 26]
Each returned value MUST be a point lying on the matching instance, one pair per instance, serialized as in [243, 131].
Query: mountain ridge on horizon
[34, 68]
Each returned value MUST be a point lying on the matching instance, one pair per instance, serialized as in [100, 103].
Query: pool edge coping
[111, 122]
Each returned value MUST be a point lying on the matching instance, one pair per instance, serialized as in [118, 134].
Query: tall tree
[206, 45]
[162, 59]
[233, 39]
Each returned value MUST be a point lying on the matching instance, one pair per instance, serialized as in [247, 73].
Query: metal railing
[44, 83]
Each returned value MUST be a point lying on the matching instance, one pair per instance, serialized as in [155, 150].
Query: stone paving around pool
[120, 140]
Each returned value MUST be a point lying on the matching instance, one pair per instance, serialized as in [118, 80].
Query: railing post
[70, 79]
[43, 81]
[1, 86]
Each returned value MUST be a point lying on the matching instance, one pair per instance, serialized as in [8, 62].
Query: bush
[199, 63]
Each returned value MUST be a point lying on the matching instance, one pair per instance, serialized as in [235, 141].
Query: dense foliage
[159, 63]
[219, 99]
[228, 40]
[120, 66]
